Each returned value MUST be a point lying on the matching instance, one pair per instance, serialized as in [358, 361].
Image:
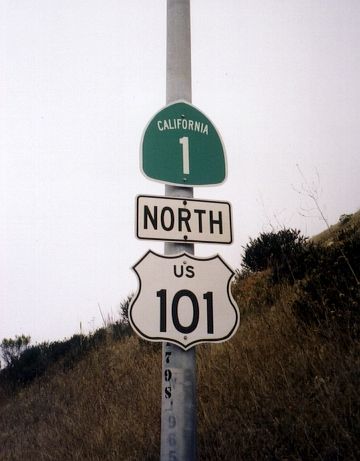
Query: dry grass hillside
[346, 220]
[283, 388]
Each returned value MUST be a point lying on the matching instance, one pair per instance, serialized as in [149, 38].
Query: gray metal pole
[178, 409]
[178, 51]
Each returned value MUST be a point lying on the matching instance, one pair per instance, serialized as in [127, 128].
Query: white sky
[79, 81]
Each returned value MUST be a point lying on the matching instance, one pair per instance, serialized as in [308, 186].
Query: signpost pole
[178, 409]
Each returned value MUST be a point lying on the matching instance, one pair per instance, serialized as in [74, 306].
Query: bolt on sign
[181, 146]
[184, 220]
[183, 299]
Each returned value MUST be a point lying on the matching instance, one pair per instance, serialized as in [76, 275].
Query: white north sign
[183, 299]
[180, 219]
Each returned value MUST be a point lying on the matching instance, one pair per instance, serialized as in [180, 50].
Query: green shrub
[329, 295]
[326, 276]
[124, 309]
[283, 252]
[11, 349]
[345, 218]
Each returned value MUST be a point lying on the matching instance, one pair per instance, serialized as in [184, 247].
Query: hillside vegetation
[285, 387]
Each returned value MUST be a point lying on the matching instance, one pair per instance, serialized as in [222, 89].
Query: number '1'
[184, 141]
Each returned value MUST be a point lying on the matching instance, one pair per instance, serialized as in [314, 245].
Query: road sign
[186, 220]
[183, 299]
[181, 146]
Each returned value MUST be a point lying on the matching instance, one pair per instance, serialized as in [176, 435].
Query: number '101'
[185, 329]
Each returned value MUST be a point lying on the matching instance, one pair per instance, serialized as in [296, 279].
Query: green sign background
[164, 149]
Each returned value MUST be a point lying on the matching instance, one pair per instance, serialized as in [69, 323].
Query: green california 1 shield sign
[181, 146]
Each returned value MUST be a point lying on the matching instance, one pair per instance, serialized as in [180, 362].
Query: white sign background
[161, 278]
[199, 223]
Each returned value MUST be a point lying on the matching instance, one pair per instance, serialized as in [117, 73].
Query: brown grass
[275, 391]
[327, 236]
[107, 408]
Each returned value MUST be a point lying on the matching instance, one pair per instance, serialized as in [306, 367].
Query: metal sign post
[182, 300]
[178, 407]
